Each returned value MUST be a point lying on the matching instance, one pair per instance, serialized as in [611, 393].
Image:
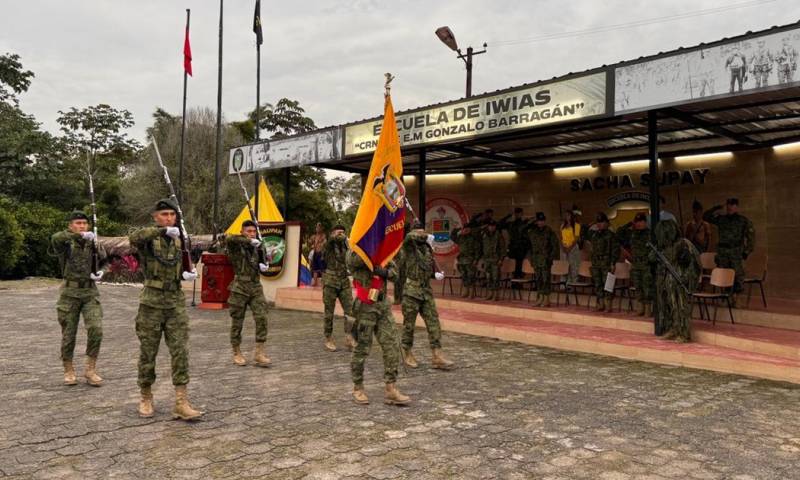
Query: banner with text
[317, 147]
[526, 107]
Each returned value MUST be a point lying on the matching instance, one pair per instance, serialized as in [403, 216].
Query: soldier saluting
[737, 238]
[74, 248]
[635, 235]
[162, 308]
[336, 285]
[544, 249]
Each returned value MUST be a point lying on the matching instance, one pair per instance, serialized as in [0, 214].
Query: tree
[346, 195]
[284, 119]
[13, 79]
[11, 239]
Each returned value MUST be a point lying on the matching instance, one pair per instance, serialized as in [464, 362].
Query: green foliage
[283, 119]
[13, 79]
[11, 240]
[38, 222]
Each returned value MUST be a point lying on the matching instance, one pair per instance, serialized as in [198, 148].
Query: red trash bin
[217, 277]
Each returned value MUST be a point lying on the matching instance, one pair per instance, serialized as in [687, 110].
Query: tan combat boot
[545, 300]
[238, 358]
[394, 397]
[489, 295]
[330, 345]
[92, 378]
[642, 310]
[408, 358]
[349, 342]
[146, 403]
[360, 396]
[474, 293]
[183, 409]
[538, 301]
[439, 361]
[69, 373]
[260, 357]
[601, 305]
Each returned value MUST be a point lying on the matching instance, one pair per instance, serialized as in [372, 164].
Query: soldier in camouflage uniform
[493, 249]
[162, 309]
[79, 295]
[401, 271]
[544, 249]
[374, 317]
[336, 285]
[246, 290]
[418, 297]
[469, 251]
[674, 303]
[635, 235]
[518, 242]
[737, 238]
[605, 252]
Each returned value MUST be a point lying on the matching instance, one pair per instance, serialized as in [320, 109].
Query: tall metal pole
[469, 72]
[183, 122]
[422, 201]
[286, 186]
[256, 175]
[655, 208]
[218, 150]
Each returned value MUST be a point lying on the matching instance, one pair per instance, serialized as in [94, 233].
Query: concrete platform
[744, 349]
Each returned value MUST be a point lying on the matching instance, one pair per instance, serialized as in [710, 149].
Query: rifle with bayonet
[95, 255]
[262, 256]
[669, 267]
[186, 257]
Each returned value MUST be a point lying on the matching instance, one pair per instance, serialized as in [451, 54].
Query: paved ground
[508, 411]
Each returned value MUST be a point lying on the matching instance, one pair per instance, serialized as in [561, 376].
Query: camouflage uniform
[493, 249]
[246, 288]
[674, 304]
[162, 306]
[336, 283]
[737, 239]
[373, 319]
[79, 293]
[418, 294]
[399, 285]
[518, 243]
[641, 273]
[469, 251]
[605, 252]
[544, 249]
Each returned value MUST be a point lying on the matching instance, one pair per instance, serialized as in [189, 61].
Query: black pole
[286, 178]
[218, 150]
[469, 72]
[183, 122]
[655, 208]
[256, 175]
[422, 201]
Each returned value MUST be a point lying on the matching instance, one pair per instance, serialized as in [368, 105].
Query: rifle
[261, 255]
[95, 259]
[670, 268]
[186, 257]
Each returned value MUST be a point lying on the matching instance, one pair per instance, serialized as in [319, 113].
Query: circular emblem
[275, 247]
[442, 215]
[238, 160]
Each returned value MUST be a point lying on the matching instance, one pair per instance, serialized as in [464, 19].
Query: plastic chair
[722, 280]
[559, 272]
[750, 281]
[622, 270]
[584, 272]
[449, 277]
[708, 263]
[527, 271]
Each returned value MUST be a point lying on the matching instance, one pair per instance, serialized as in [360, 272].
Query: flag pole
[258, 31]
[218, 149]
[183, 117]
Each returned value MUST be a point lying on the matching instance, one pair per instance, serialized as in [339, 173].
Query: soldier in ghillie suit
[246, 290]
[634, 236]
[79, 295]
[374, 317]
[420, 267]
[605, 252]
[336, 285]
[674, 301]
[544, 249]
[493, 250]
[737, 239]
[162, 308]
[469, 252]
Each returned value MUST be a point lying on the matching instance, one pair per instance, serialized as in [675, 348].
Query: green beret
[165, 204]
[77, 215]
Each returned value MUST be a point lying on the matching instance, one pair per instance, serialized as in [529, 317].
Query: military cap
[248, 223]
[338, 227]
[77, 215]
[165, 204]
[540, 217]
[602, 217]
[417, 225]
[640, 217]
[732, 201]
[697, 205]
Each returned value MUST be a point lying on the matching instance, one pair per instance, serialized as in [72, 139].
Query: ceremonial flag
[257, 23]
[187, 53]
[377, 232]
[267, 210]
[305, 271]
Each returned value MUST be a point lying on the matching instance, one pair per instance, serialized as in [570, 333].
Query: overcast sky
[331, 55]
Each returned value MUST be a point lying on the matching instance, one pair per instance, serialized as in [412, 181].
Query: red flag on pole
[187, 54]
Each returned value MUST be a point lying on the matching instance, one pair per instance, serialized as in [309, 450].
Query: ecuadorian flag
[305, 271]
[377, 232]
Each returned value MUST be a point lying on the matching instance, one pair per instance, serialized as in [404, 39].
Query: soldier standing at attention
[518, 242]
[698, 231]
[246, 291]
[79, 295]
[336, 285]
[493, 249]
[374, 317]
[737, 239]
[605, 252]
[162, 309]
[544, 249]
[469, 251]
[635, 236]
[418, 297]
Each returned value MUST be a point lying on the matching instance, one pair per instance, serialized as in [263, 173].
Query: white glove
[96, 276]
[263, 267]
[173, 232]
[439, 275]
[190, 275]
[88, 236]
[430, 240]
[255, 242]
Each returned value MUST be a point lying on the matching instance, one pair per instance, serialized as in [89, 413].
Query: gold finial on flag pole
[386, 86]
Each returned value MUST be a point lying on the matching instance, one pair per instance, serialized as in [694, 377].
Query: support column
[655, 207]
[286, 187]
[421, 193]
